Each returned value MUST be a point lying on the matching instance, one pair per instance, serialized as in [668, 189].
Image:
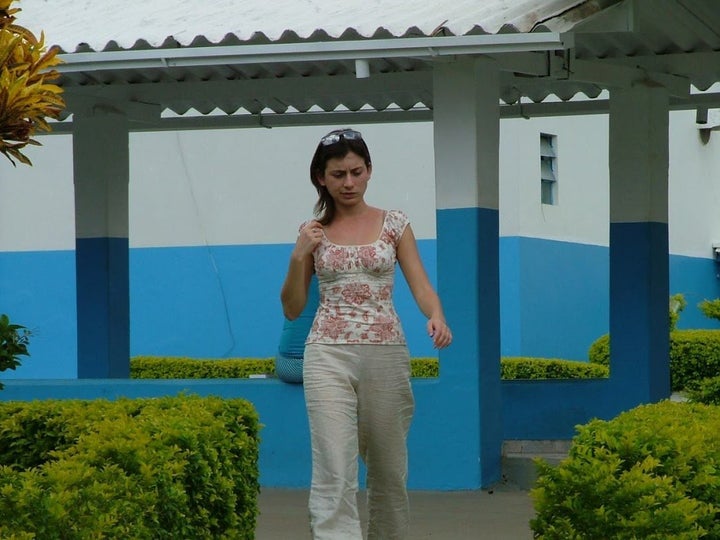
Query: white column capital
[101, 173]
[466, 123]
[639, 154]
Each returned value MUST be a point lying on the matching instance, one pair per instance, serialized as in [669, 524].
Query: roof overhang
[564, 64]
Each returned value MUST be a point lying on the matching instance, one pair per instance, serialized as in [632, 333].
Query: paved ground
[502, 514]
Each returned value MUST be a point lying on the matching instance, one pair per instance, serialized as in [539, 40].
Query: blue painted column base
[639, 312]
[468, 284]
[103, 308]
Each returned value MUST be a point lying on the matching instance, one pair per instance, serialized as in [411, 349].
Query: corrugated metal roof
[98, 25]
[177, 55]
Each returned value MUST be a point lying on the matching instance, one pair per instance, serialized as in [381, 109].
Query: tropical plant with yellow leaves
[27, 99]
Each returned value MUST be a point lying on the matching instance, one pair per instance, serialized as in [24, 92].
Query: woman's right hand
[309, 238]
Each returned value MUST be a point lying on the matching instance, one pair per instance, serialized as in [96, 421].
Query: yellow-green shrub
[426, 368]
[694, 355]
[512, 368]
[169, 367]
[166, 468]
[650, 473]
[705, 391]
[159, 367]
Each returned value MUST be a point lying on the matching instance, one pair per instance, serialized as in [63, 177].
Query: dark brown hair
[325, 205]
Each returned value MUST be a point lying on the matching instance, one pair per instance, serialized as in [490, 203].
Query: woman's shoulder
[305, 224]
[396, 222]
[397, 216]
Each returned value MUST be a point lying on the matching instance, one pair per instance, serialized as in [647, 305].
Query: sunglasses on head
[334, 137]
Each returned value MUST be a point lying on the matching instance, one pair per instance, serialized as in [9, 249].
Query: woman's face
[346, 179]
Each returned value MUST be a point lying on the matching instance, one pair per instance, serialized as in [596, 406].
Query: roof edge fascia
[428, 48]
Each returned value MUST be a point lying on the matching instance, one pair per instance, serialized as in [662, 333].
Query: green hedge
[424, 368]
[599, 352]
[705, 391]
[650, 473]
[157, 367]
[694, 355]
[173, 367]
[512, 368]
[166, 468]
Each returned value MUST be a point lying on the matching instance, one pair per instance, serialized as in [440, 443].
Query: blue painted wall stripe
[177, 306]
[37, 290]
[555, 297]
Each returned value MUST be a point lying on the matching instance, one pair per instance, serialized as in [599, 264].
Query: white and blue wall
[212, 219]
[213, 215]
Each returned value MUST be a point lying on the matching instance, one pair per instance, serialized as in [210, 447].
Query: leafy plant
[649, 473]
[26, 96]
[162, 468]
[514, 368]
[14, 340]
[677, 304]
[705, 391]
[710, 308]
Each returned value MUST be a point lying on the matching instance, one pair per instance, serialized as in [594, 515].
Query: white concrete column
[639, 270]
[101, 176]
[466, 116]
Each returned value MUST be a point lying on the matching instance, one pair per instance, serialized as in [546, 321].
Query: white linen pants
[359, 402]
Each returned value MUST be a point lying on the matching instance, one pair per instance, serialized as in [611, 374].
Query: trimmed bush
[424, 368]
[710, 308]
[694, 355]
[161, 367]
[164, 367]
[705, 391]
[166, 468]
[157, 367]
[512, 368]
[650, 473]
[599, 352]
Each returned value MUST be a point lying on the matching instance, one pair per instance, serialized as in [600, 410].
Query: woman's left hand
[440, 333]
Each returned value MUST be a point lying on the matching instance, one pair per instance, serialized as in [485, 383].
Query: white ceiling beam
[287, 90]
[270, 120]
[428, 47]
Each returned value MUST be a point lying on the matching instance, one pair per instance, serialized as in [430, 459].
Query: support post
[466, 138]
[639, 268]
[101, 174]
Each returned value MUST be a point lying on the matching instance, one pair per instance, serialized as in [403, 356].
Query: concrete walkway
[501, 514]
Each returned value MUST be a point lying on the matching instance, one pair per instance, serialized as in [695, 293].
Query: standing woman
[356, 366]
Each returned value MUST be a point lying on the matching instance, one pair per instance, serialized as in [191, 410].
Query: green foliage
[424, 368]
[677, 304]
[694, 355]
[599, 352]
[512, 368]
[650, 473]
[175, 467]
[710, 308]
[14, 340]
[705, 391]
[157, 367]
[161, 367]
[27, 97]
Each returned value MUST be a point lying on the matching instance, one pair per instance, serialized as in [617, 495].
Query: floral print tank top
[356, 286]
